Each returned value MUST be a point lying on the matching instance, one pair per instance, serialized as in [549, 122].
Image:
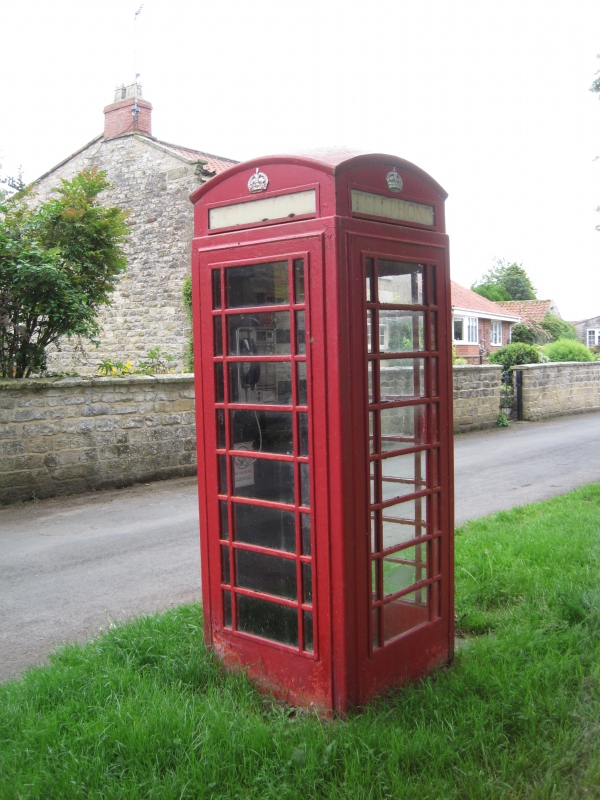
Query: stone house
[588, 331]
[153, 180]
[479, 326]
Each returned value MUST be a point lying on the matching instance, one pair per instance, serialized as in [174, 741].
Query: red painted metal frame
[344, 670]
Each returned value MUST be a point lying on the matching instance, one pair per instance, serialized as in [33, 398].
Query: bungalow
[479, 326]
[588, 331]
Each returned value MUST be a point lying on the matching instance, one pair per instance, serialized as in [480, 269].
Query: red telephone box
[324, 421]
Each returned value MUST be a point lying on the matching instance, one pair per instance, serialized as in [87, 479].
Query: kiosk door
[260, 480]
[408, 415]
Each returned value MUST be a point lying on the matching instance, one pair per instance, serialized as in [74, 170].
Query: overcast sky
[490, 98]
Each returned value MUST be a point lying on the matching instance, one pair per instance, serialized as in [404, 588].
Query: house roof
[213, 164]
[530, 311]
[464, 299]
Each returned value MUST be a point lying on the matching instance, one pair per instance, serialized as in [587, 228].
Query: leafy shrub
[558, 328]
[528, 334]
[186, 296]
[516, 353]
[567, 350]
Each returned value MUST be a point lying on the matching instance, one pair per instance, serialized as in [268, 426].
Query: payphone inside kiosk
[321, 299]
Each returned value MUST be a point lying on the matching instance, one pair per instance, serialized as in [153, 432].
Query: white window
[496, 333]
[593, 337]
[465, 330]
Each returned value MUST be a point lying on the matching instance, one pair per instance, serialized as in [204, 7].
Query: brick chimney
[128, 113]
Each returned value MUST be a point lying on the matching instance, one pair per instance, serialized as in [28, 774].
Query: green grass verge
[146, 712]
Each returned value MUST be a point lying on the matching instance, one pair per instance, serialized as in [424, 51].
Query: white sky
[490, 98]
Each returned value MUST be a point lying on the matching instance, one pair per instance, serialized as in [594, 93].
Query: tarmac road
[69, 567]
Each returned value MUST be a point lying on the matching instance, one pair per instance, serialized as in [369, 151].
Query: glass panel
[369, 295]
[404, 569]
[433, 317]
[265, 431]
[305, 524]
[436, 599]
[402, 427]
[434, 377]
[216, 288]
[220, 429]
[257, 285]
[400, 283]
[304, 485]
[224, 519]
[219, 386]
[434, 475]
[404, 614]
[370, 370]
[436, 550]
[263, 479]
[370, 316]
[299, 279]
[263, 573]
[374, 537]
[401, 331]
[307, 582]
[403, 522]
[435, 429]
[300, 333]
[374, 570]
[225, 573]
[227, 609]
[458, 330]
[400, 378]
[218, 335]
[432, 286]
[435, 509]
[260, 382]
[265, 527]
[301, 382]
[372, 437]
[258, 334]
[303, 434]
[308, 631]
[375, 627]
[402, 475]
[375, 472]
[222, 461]
[269, 620]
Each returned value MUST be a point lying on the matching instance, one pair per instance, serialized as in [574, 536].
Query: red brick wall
[118, 118]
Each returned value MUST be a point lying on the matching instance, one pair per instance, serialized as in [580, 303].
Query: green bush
[186, 296]
[515, 353]
[558, 328]
[528, 334]
[567, 350]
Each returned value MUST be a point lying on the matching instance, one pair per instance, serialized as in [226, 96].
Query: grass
[146, 712]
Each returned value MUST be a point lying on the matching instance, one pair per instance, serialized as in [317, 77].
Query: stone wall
[77, 434]
[476, 396]
[550, 390]
[146, 309]
[74, 435]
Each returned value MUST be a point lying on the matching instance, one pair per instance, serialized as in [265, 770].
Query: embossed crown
[258, 182]
[394, 181]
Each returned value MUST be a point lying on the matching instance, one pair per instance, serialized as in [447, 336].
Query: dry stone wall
[146, 309]
[550, 390]
[476, 396]
[74, 435]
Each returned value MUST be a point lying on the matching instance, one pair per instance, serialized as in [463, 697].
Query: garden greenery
[567, 350]
[59, 262]
[515, 353]
[186, 295]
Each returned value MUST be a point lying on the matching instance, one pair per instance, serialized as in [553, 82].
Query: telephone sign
[321, 299]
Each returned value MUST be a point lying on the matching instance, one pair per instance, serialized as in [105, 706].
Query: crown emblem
[394, 181]
[258, 182]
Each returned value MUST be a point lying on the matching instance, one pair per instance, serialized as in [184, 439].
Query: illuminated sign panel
[263, 210]
[375, 205]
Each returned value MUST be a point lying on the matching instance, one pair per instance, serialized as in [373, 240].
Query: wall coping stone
[551, 364]
[10, 385]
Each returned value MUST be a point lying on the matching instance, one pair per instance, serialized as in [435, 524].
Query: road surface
[70, 567]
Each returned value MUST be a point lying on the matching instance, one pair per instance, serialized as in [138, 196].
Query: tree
[59, 263]
[505, 281]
